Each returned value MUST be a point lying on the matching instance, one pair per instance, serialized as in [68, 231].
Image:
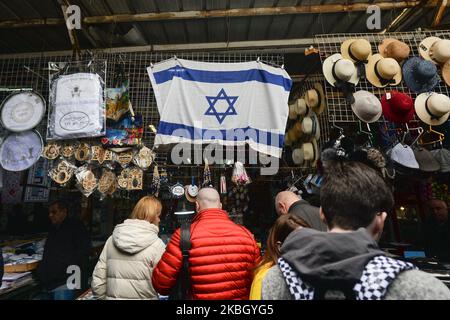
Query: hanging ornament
[206, 175]
[154, 188]
[223, 184]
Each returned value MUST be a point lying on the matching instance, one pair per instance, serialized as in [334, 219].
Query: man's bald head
[208, 198]
[284, 200]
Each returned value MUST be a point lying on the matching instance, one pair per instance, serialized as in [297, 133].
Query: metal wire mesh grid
[331, 43]
[32, 72]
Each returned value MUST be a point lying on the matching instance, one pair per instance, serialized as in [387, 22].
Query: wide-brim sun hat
[366, 106]
[315, 99]
[382, 72]
[394, 48]
[435, 49]
[356, 50]
[420, 75]
[432, 108]
[335, 68]
[446, 72]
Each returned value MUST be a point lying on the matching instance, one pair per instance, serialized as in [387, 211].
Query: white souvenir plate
[19, 151]
[22, 111]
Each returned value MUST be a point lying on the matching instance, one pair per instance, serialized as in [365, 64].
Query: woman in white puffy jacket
[124, 270]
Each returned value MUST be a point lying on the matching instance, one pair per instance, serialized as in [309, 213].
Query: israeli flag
[225, 103]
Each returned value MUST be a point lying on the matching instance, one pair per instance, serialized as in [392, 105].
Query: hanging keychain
[223, 184]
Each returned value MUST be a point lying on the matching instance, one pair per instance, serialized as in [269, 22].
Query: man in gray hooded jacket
[346, 263]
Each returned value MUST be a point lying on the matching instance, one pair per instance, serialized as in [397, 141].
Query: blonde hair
[148, 208]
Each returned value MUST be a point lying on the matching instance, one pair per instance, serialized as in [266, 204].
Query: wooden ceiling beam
[205, 14]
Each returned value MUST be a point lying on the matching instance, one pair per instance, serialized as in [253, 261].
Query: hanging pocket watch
[177, 190]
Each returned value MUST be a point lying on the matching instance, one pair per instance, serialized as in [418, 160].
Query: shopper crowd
[329, 252]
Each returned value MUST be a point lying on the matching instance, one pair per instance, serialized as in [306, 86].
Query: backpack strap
[185, 246]
[378, 274]
[298, 289]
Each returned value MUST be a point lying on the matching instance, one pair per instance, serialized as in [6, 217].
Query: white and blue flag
[224, 103]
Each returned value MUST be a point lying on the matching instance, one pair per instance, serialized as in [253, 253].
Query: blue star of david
[221, 115]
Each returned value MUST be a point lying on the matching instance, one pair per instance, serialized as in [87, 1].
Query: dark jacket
[67, 245]
[437, 240]
[308, 213]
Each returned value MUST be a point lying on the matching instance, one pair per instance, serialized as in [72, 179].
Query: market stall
[101, 131]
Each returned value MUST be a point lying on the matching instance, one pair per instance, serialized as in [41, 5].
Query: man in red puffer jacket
[222, 256]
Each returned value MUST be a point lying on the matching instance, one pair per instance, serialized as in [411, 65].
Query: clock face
[177, 190]
[193, 190]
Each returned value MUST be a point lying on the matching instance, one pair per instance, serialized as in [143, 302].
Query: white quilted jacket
[124, 270]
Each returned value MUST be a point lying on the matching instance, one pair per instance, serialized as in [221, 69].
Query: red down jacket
[221, 260]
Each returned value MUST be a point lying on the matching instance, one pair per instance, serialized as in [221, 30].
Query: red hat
[397, 107]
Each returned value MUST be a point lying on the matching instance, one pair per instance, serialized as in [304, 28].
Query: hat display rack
[330, 44]
[309, 83]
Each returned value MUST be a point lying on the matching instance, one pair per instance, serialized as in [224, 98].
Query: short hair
[352, 193]
[147, 209]
[62, 205]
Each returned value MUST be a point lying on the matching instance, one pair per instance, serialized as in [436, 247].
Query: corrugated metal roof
[229, 29]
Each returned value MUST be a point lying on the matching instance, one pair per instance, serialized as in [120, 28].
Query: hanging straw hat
[302, 108]
[395, 49]
[383, 71]
[315, 98]
[336, 68]
[293, 111]
[432, 108]
[367, 107]
[446, 72]
[356, 50]
[309, 151]
[420, 75]
[435, 49]
[397, 107]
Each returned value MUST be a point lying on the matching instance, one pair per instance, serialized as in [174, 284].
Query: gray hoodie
[337, 260]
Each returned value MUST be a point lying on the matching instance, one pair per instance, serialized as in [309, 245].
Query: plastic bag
[87, 182]
[76, 99]
[240, 176]
[125, 133]
[118, 101]
[144, 158]
[62, 172]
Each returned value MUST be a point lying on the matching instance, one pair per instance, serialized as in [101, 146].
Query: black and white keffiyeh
[299, 290]
[378, 274]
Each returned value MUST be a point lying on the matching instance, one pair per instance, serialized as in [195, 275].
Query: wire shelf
[32, 72]
[329, 44]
